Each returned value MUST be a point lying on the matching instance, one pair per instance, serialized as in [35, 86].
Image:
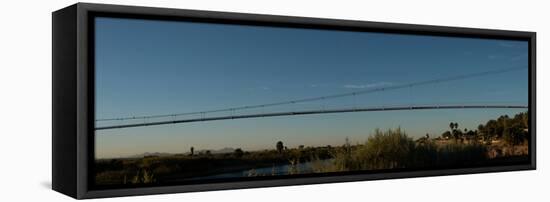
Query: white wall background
[25, 99]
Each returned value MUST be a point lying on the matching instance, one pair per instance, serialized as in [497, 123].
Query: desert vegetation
[496, 142]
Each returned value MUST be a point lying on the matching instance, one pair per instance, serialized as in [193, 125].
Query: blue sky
[146, 67]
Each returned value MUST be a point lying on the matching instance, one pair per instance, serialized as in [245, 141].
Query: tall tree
[279, 146]
[480, 128]
[238, 153]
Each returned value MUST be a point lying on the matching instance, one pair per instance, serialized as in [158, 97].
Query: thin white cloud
[317, 85]
[369, 85]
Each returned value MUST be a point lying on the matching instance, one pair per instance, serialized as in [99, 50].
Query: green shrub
[394, 149]
[384, 150]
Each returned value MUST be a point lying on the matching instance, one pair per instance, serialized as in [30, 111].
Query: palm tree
[454, 131]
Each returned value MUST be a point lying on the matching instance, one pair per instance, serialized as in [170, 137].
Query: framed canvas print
[154, 100]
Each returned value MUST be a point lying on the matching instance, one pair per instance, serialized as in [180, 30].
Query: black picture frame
[73, 94]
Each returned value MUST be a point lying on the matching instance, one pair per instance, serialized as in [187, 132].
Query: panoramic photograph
[189, 102]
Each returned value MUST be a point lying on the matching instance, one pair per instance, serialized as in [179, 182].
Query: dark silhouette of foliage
[279, 147]
[447, 135]
[238, 153]
[391, 149]
[512, 130]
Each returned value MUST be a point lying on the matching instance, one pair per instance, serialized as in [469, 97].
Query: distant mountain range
[220, 151]
[151, 154]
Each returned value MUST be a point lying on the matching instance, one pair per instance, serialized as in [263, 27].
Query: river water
[301, 168]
